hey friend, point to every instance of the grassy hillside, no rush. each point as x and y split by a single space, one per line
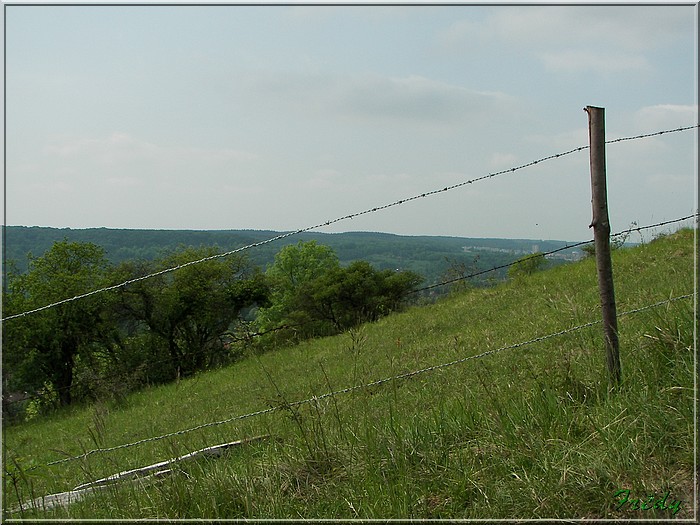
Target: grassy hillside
526 432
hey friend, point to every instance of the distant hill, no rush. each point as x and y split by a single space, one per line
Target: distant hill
430 256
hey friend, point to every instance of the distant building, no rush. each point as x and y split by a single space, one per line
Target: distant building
572 256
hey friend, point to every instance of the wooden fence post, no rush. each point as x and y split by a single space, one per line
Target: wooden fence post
601 235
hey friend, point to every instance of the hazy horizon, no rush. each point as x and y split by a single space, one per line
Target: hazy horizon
665 228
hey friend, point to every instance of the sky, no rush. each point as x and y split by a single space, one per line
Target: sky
284 117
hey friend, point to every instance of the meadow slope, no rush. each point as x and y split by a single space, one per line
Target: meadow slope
531 431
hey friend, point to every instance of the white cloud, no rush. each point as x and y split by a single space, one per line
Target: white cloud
124 182
666 116
242 190
324 179
670 182
459 31
416 98
116 147
379 98
562 141
119 149
630 27
573 60
503 160
607 38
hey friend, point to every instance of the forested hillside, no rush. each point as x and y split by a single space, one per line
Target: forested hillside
157 325
429 256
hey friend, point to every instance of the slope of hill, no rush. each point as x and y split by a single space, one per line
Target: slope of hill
492 403
426 255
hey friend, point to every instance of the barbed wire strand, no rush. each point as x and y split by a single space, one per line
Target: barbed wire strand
356 387
653 134
544 254
45 394
334 221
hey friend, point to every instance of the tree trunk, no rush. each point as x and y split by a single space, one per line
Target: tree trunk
64 375
175 356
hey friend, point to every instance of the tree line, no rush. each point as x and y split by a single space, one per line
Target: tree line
175 323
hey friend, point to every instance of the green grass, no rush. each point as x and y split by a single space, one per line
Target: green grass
530 432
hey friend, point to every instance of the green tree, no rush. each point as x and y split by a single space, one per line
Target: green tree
43 348
314 296
294 268
346 297
187 311
527 265
457 272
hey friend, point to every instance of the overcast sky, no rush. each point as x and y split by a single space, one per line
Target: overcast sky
268 117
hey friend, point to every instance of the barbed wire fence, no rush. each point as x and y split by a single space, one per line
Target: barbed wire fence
387 380
624 233
337 220
354 388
